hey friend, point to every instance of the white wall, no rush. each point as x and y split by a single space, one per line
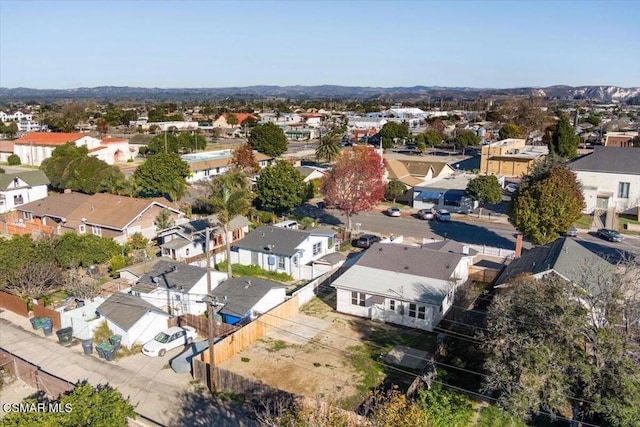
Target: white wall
594 183
142 331
270 300
28 195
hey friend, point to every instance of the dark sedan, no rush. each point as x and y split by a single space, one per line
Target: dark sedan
610 235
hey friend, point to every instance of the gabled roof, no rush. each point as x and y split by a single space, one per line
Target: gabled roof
274 240
32 178
143 267
450 246
413 260
170 274
125 310
609 160
49 138
241 294
110 140
564 256
58 206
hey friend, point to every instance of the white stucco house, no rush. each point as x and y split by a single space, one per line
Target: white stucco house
405 285
34 147
19 188
176 288
134 319
243 299
294 252
610 178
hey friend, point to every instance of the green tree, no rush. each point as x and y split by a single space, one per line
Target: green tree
232 119
432 138
268 139
466 138
228 196
13 160
328 149
510 130
11 130
163 219
394 189
163 174
391 131
564 141
546 207
165 142
484 189
280 187
85 405
138 241
73 250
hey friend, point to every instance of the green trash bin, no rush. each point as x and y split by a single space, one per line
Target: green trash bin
115 341
109 352
100 348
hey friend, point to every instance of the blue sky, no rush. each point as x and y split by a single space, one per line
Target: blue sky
56 44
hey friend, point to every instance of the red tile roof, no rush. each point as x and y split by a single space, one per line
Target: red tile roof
112 140
241 116
49 138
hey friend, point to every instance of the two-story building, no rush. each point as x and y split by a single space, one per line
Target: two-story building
510 157
16 189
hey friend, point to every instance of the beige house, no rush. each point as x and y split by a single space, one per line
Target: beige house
102 214
413 173
510 157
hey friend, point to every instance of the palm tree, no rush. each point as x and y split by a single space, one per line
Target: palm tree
328 148
229 196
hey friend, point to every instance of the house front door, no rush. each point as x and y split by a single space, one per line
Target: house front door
254 258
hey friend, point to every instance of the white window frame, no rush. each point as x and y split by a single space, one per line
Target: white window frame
96 230
317 248
623 190
359 298
281 262
82 229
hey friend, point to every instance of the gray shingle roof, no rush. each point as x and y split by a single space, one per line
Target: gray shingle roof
609 159
450 246
125 310
283 240
565 256
242 293
411 260
32 178
170 274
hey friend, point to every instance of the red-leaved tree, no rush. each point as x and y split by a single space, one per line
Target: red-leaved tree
244 159
355 183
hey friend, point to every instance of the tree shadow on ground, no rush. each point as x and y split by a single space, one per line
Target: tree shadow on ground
199 408
317 213
469 233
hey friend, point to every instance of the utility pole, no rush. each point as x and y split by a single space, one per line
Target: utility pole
212 370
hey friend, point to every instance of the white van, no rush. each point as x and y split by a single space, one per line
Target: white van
291 224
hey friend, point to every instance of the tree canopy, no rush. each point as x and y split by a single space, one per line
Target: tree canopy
546 353
244 159
545 207
510 130
564 141
163 174
394 189
467 138
165 142
355 183
328 148
484 189
280 187
268 139
391 131
70 167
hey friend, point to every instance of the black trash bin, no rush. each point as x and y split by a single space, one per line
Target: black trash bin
87 346
115 341
65 335
109 352
47 327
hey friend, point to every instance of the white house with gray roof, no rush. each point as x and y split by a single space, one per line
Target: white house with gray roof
22 187
284 250
610 178
405 285
187 241
134 319
175 287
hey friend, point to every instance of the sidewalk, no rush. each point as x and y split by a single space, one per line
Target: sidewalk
163 397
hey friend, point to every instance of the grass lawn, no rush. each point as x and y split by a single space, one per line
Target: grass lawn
584 222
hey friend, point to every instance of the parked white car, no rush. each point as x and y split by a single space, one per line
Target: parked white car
393 211
168 340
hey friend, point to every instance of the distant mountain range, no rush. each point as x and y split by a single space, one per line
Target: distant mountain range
407 94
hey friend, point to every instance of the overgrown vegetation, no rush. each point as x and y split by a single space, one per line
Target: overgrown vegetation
240 270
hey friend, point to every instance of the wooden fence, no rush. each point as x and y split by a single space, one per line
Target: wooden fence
201 325
14 303
31 374
483 275
39 310
247 335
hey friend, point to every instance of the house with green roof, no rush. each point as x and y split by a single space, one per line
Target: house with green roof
21 187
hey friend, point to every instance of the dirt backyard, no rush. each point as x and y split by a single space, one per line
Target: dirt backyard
325 355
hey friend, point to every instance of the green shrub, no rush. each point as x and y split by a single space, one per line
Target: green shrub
14 160
254 271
